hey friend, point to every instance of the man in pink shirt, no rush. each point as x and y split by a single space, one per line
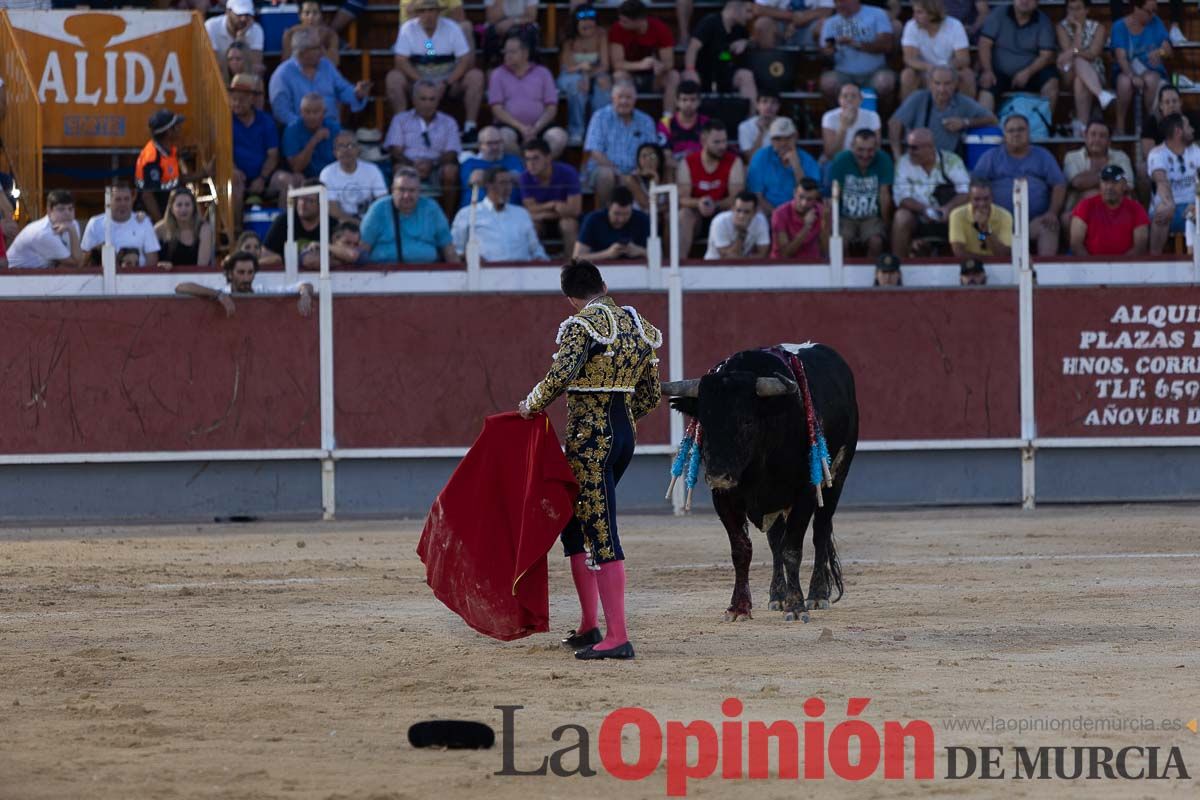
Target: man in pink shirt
798 228
524 99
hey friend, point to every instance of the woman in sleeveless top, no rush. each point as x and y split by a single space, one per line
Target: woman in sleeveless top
1080 43
651 168
186 239
583 60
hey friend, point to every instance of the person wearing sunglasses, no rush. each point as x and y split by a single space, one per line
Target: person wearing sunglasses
427 140
432 48
1172 166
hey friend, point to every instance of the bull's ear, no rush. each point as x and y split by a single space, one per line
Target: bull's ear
686 405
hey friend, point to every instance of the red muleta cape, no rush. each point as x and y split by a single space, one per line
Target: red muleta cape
485 541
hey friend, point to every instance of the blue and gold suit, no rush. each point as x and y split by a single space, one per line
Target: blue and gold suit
606 365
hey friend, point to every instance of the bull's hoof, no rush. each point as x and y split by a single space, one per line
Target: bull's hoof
737 616
775 605
792 616
821 604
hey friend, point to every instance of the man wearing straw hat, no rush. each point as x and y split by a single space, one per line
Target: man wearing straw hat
607 368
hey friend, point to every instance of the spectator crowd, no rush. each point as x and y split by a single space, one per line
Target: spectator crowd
932 111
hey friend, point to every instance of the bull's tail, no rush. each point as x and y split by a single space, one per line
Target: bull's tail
835 569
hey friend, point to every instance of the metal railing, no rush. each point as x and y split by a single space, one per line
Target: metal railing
291 259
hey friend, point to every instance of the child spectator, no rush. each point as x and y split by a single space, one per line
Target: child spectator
249 242
127 258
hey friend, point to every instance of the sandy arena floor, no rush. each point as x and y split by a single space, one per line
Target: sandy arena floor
288 660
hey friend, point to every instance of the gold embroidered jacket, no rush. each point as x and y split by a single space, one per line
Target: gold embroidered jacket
604 348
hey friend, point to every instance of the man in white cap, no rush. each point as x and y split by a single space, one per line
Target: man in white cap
237 25
775 170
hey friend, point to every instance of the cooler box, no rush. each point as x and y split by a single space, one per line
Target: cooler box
275 20
259 219
870 100
979 141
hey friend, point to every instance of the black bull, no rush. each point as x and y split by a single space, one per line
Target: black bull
755 450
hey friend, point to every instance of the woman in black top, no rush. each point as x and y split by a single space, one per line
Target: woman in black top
186 238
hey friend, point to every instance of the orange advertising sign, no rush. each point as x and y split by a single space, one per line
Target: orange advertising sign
100 75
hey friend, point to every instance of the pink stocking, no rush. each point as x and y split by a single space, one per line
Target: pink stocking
585 587
611 581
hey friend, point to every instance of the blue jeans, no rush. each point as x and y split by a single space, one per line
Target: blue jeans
568 84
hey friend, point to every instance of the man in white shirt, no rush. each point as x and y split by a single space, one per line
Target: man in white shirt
353 184
505 231
435 49
129 231
929 184
240 270
237 24
1172 167
53 240
739 233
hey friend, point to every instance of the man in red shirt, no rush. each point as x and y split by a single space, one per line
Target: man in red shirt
798 228
708 180
1109 223
642 49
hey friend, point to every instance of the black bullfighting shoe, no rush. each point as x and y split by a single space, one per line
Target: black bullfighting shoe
576 641
622 651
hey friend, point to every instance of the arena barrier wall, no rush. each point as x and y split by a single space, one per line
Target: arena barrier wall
165 374
171 379
372 401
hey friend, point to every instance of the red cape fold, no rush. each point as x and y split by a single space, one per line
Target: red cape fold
486 538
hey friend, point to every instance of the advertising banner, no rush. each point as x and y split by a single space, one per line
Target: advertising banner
100 75
1120 361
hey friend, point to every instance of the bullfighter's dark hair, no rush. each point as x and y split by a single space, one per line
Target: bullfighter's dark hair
581 279
233 258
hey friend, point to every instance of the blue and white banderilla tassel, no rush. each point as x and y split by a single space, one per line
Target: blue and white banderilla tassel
818 465
687 456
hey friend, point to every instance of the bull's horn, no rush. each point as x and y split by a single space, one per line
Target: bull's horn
773 387
688 388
